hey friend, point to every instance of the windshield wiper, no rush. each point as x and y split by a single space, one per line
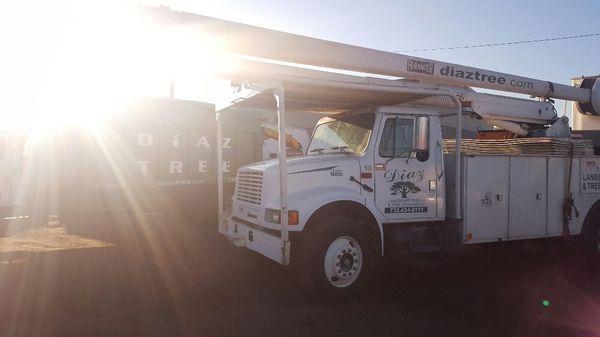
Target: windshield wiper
320 150
341 148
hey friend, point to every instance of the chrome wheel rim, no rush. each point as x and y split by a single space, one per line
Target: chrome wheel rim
343 262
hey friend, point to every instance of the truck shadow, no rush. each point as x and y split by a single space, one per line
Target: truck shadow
516 289
189 281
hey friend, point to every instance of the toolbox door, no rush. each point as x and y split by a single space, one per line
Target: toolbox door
528 197
486 199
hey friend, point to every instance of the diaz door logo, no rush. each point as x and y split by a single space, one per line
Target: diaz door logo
403 181
404 187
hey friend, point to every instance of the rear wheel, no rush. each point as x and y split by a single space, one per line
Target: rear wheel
591 239
337 258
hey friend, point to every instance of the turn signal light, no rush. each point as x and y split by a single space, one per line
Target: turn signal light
293 218
274 216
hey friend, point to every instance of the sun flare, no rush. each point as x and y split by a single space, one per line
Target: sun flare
96 64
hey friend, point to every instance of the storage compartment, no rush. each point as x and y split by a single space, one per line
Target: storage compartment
528 197
486 198
557 171
511 197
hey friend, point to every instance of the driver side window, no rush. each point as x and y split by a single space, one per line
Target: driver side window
397 138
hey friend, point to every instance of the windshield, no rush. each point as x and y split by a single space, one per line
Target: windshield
345 135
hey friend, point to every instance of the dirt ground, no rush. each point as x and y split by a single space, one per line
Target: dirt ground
163 278
46 239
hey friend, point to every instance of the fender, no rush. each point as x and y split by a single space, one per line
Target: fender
309 201
370 205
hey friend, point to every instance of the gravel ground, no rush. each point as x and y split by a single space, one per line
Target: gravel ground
173 279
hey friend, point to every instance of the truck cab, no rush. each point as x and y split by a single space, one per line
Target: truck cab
362 169
367 157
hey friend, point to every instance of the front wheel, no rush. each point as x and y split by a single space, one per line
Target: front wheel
338 259
343 262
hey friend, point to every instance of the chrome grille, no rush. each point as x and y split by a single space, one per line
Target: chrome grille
248 186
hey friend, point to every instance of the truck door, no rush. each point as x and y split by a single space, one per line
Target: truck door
405 180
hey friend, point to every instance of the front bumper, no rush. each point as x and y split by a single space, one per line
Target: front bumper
242 235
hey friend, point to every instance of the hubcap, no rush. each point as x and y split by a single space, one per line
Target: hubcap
343 261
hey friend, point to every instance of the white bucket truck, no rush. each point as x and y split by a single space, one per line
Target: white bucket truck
375 178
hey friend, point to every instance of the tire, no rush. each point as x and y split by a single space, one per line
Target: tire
591 239
336 259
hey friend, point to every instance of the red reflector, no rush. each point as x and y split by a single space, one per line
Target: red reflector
366 175
293 217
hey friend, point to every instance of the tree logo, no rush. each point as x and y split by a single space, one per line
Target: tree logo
404 187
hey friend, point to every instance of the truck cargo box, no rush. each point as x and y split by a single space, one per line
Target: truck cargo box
520 196
154 155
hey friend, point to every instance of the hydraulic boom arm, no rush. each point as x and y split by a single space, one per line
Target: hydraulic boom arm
276 45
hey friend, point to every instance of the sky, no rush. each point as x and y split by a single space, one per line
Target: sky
419 24
31 32
406 25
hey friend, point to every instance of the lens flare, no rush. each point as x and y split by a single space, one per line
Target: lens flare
95 65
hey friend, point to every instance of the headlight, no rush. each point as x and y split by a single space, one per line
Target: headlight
274 216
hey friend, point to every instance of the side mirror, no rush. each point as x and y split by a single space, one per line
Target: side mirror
421 134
